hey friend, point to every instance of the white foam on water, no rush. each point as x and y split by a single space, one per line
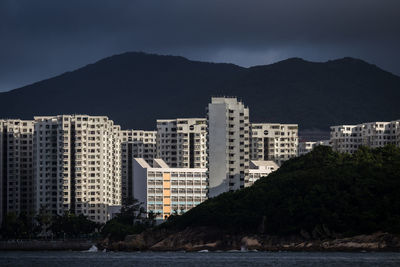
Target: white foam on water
93 249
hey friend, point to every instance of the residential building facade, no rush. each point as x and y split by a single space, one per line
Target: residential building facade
16 171
307 146
77 165
273 141
165 190
228 145
135 144
181 142
348 138
260 168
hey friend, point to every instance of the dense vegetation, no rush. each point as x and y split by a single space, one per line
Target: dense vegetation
45 226
322 193
311 92
132 219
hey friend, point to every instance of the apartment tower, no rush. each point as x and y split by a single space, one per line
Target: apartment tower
77 165
348 138
135 144
181 143
16 172
228 145
273 141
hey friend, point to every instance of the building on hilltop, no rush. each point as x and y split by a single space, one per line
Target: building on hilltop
228 145
16 171
260 168
134 144
165 190
307 146
348 138
273 141
182 142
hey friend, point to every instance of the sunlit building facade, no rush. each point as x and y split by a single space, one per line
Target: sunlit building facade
273 141
165 190
182 142
77 165
259 169
348 138
228 145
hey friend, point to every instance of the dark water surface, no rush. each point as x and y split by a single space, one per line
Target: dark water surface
66 258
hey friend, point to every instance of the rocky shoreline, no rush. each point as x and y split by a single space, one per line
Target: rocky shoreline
205 239
212 240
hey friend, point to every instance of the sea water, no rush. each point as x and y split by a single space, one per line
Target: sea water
234 258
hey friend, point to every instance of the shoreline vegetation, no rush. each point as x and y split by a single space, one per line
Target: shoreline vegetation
322 201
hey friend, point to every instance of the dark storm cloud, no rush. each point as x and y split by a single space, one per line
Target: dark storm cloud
39 39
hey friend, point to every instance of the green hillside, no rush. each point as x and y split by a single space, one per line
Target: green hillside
323 192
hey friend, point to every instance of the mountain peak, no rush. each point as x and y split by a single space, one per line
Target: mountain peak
344 60
291 61
295 59
348 60
135 88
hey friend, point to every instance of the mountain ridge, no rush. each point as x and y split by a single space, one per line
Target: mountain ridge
135 88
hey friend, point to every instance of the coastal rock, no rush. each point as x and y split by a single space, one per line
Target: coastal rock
376 241
211 239
188 239
251 243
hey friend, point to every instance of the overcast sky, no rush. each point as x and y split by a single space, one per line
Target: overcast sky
42 38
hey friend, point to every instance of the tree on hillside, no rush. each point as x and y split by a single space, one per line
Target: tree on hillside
43 221
132 219
73 226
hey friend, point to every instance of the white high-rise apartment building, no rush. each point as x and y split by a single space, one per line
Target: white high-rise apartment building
273 141
135 144
165 190
348 138
77 165
16 172
228 145
182 143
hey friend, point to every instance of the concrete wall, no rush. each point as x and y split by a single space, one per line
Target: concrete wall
139 183
217 125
